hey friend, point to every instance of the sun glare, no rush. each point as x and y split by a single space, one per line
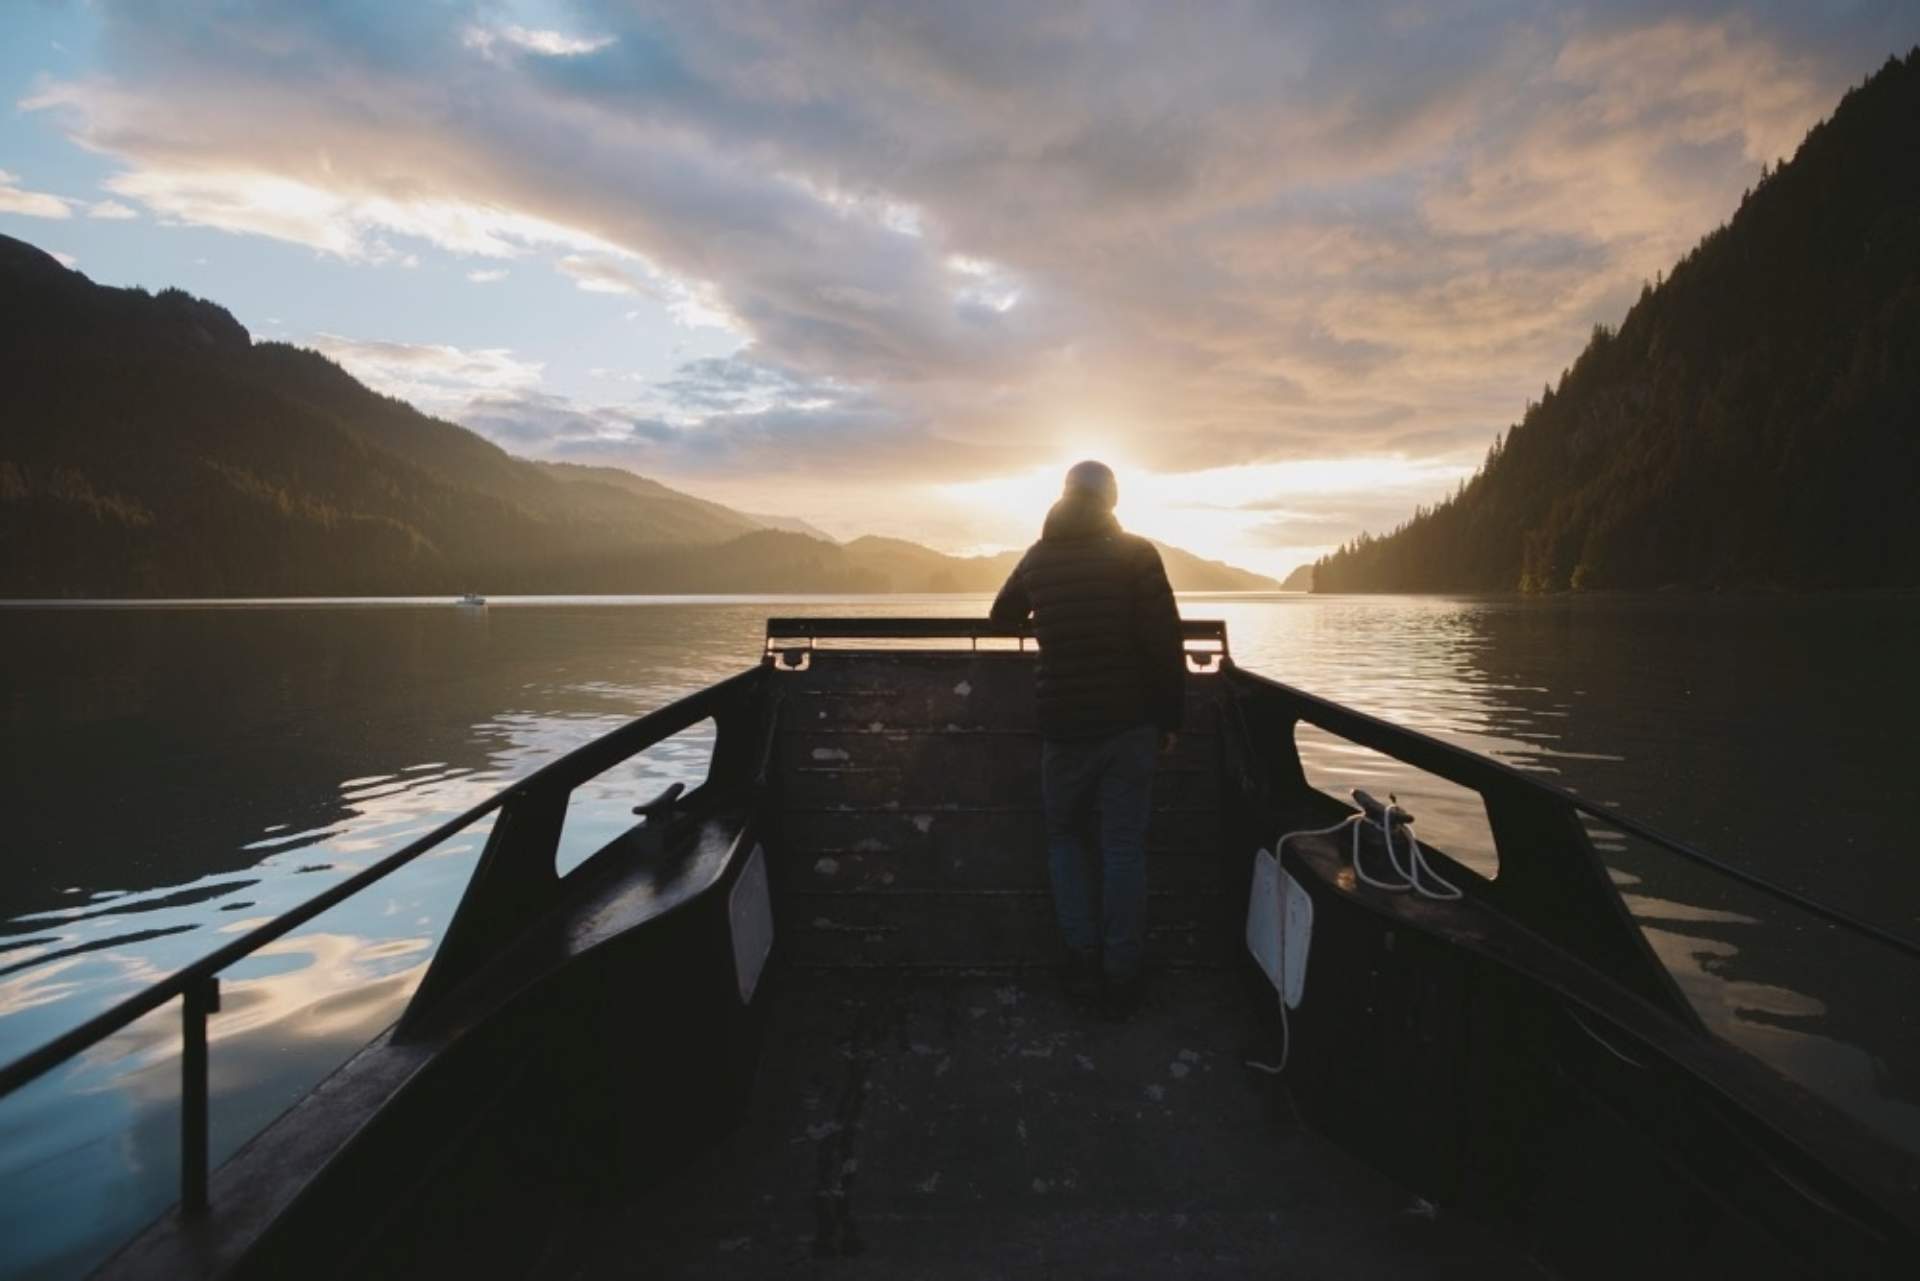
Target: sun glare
1269 516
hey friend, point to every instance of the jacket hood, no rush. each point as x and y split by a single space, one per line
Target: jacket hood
1075 516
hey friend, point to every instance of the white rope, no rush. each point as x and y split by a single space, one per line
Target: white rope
1360 871
1437 886
1416 874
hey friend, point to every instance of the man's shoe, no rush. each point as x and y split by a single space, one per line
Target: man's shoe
1080 979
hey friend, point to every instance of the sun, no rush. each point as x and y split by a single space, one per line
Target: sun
1268 516
1149 504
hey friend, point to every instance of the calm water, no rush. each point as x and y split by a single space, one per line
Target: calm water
174 775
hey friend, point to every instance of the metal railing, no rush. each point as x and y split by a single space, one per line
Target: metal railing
1194 629
790 640
198 985
537 804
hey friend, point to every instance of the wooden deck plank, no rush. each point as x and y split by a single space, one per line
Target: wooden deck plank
948 1127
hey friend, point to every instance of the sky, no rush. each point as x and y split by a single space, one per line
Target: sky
891 267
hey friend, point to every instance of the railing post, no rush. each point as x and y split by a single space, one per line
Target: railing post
1552 880
200 999
512 883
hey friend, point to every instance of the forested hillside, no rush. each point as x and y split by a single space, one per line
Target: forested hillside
1754 421
149 447
900 561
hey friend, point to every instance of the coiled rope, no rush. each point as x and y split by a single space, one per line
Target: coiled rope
1416 874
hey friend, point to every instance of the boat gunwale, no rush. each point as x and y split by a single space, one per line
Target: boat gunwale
760 683
601 754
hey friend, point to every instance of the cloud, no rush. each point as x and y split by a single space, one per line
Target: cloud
697 305
954 236
553 44
731 385
709 417
548 425
353 224
434 376
598 274
30 204
839 442
1634 138
694 305
110 209
487 275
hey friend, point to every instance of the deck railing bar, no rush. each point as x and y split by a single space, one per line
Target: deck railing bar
974 629
1832 915
102 1025
1402 743
666 720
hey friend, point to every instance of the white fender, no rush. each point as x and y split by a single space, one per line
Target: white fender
1279 927
750 916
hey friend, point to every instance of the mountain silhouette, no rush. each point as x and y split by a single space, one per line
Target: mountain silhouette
1753 422
151 448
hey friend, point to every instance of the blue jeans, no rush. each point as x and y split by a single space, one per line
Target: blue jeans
1111 778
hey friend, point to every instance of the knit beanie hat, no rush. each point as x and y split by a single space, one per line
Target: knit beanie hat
1095 480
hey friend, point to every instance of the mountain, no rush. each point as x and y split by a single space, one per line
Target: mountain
1754 421
1190 573
909 567
792 525
693 519
681 518
150 447
1300 580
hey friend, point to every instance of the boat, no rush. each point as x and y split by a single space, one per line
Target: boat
804 1015
471 598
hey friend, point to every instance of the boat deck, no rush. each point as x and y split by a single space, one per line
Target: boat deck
916 1125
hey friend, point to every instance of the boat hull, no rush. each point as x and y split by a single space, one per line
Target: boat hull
590 1080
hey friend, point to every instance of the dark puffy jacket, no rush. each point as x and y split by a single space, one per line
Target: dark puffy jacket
1109 632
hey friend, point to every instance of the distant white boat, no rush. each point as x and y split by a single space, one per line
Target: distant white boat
472 598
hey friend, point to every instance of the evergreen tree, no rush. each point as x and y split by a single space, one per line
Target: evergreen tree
1754 420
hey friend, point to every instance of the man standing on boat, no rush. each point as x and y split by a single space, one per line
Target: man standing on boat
1109 691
